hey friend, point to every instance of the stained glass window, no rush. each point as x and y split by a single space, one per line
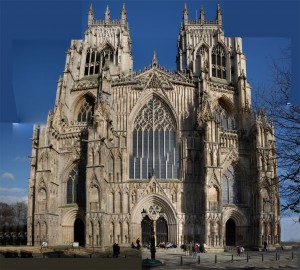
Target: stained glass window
154 145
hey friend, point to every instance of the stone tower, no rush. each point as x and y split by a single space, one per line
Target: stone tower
182 147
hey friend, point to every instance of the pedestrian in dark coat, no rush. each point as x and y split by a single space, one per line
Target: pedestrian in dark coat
265 246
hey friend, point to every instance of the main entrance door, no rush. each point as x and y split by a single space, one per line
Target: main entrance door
146 230
230 232
79 231
161 230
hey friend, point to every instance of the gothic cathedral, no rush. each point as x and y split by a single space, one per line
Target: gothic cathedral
178 154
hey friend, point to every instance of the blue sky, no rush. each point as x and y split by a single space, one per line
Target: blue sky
35 35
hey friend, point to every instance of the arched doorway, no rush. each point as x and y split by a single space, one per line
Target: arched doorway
147 226
79 231
230 232
161 230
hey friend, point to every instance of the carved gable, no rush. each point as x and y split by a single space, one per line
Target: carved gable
153 187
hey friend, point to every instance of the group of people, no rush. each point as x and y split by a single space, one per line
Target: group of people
138 245
193 249
116 250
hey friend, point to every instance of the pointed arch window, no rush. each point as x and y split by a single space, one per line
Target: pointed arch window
76 185
202 59
86 110
154 145
231 186
107 56
223 117
218 58
92 63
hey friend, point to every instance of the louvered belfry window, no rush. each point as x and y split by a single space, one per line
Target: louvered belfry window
154 146
218 57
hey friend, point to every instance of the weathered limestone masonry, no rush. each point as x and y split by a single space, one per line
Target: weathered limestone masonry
182 145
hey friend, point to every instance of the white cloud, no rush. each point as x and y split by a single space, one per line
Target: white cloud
13 199
13 190
7 176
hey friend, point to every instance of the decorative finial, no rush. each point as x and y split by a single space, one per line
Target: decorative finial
91 8
154 60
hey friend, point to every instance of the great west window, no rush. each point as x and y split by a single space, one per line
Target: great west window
154 146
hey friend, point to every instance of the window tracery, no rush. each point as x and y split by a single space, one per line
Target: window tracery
85 112
154 147
231 186
223 117
218 62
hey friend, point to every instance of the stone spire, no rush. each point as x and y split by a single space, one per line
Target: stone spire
219 15
91 15
123 15
107 15
201 18
185 15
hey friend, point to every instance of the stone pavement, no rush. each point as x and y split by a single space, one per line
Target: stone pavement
171 259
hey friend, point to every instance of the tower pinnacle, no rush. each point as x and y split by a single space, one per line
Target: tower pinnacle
185 14
123 15
91 15
201 18
107 15
219 15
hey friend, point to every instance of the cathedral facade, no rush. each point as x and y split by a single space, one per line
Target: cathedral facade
176 154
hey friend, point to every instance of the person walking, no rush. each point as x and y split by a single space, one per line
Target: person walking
138 246
265 246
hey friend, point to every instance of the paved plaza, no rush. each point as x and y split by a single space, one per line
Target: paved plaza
130 259
285 259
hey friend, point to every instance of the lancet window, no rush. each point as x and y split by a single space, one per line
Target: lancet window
218 58
154 146
231 186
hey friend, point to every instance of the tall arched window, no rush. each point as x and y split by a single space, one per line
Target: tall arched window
154 144
86 111
76 186
92 63
218 58
231 186
223 117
